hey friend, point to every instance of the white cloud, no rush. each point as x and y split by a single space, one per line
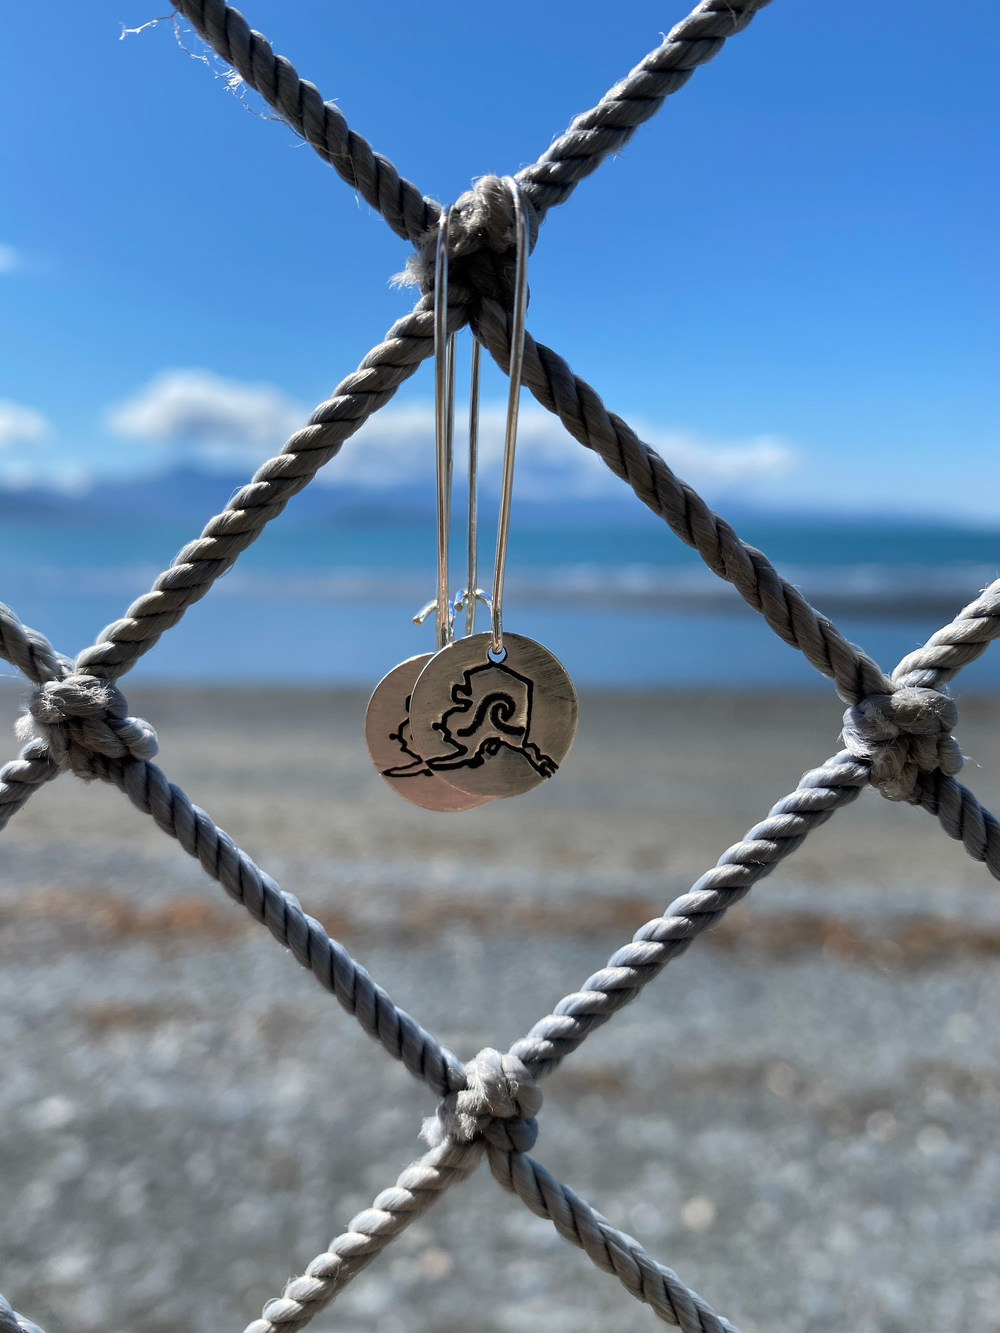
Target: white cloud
52 475
396 448
220 419
224 421
10 259
21 425
702 463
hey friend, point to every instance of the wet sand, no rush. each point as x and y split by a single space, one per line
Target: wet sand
799 1116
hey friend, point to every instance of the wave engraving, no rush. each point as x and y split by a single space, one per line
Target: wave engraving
492 712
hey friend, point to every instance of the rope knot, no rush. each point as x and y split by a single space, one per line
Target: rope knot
481 246
499 1103
80 718
903 735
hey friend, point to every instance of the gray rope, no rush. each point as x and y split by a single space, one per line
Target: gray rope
606 129
417 1189
495 1110
932 785
898 732
321 124
819 793
906 736
34 656
12 1322
493 1088
962 817
592 137
628 970
82 720
20 778
226 536
80 724
30 651
902 736
578 406
955 646
610 1250
582 412
147 788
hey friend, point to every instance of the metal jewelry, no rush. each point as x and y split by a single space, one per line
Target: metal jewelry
387 723
495 714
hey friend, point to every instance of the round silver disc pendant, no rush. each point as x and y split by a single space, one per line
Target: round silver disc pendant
390 744
493 728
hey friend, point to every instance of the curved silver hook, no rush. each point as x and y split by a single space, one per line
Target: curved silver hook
444 428
513 402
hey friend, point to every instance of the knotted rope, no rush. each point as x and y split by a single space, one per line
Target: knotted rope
499 1104
897 731
592 136
901 736
82 720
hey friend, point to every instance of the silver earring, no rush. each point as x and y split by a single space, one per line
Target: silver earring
388 729
495 714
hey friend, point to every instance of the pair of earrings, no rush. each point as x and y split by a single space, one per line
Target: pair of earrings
486 715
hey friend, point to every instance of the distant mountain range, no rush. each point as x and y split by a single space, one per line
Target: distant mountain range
349 544
193 495
190 494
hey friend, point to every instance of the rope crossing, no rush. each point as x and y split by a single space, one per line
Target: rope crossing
897 729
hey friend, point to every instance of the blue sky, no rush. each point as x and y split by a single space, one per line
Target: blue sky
789 279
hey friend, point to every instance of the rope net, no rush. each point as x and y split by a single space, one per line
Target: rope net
897 729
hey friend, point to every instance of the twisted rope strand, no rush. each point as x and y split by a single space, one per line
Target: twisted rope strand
34 657
147 788
584 415
582 412
30 651
193 571
940 660
899 741
608 1249
321 124
20 778
608 127
955 646
497 1109
590 139
691 42
962 817
819 793
417 1189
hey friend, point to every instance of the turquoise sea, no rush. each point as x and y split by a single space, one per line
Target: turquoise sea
329 600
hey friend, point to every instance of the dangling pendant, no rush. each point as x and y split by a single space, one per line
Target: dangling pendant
495 714
490 715
391 745
493 728
387 722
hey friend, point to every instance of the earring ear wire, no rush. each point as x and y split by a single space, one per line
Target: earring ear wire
516 368
444 427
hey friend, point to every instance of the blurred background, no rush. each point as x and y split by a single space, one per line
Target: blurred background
787 284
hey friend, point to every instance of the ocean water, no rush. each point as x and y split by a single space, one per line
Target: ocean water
624 605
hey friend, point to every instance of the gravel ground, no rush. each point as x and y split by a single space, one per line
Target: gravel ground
799 1116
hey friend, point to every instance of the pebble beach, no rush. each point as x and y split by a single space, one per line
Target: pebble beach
799 1116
